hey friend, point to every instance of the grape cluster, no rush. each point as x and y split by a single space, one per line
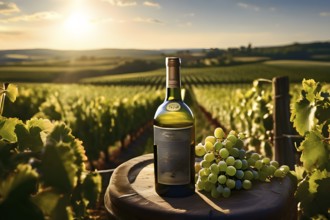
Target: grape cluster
227 166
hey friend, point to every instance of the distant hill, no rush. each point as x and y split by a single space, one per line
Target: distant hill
42 54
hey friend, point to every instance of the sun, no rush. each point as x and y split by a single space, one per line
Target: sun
78 23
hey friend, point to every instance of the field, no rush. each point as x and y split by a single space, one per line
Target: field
246 73
99 113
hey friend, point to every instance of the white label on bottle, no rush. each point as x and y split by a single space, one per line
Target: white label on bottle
173 155
173 107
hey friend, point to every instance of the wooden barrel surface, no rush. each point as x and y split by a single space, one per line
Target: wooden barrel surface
131 195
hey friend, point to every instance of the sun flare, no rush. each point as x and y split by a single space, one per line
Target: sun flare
78 23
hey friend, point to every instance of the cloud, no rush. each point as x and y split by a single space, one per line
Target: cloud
122 3
8 8
39 16
189 14
148 20
248 6
152 4
187 24
325 14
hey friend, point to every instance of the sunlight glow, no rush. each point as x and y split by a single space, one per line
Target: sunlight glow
77 24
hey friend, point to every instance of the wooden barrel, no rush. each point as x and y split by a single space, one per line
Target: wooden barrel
131 195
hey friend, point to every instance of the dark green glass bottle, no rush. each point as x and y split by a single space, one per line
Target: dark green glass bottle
174 139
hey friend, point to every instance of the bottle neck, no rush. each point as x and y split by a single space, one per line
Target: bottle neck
173 94
173 80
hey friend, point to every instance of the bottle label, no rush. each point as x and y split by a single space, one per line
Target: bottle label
173 107
173 155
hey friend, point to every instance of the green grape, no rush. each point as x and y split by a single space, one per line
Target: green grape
263 174
213 178
238 164
214 169
208 146
211 139
203 178
208 186
220 188
274 163
222 179
247 184
230 183
229 144
255 156
226 192
196 177
241 154
279 173
230 161
239 174
239 144
258 164
200 150
222 166
224 153
218 133
272 170
266 160
255 174
251 161
230 171
204 172
209 157
200 185
248 175
285 168
214 193
205 164
218 146
232 138
245 164
234 152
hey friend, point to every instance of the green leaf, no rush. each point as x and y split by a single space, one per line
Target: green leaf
92 188
47 200
303 116
7 128
311 89
314 151
62 210
12 92
33 135
19 184
316 175
58 166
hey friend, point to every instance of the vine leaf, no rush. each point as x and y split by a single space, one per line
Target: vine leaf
12 92
314 178
314 151
33 135
7 128
58 167
303 116
92 188
47 200
59 161
20 185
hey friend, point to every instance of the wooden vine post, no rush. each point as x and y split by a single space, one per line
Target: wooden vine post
284 149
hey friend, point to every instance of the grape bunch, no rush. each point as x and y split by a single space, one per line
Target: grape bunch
227 166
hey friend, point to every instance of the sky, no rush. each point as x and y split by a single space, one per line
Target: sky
160 24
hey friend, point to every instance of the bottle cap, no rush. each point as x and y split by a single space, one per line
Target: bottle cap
173 61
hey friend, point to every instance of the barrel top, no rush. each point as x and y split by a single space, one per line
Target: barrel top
131 195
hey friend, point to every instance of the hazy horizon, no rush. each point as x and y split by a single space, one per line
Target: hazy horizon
160 24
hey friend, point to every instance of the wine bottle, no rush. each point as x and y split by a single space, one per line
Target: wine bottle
174 139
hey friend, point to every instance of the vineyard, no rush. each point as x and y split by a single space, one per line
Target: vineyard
89 127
